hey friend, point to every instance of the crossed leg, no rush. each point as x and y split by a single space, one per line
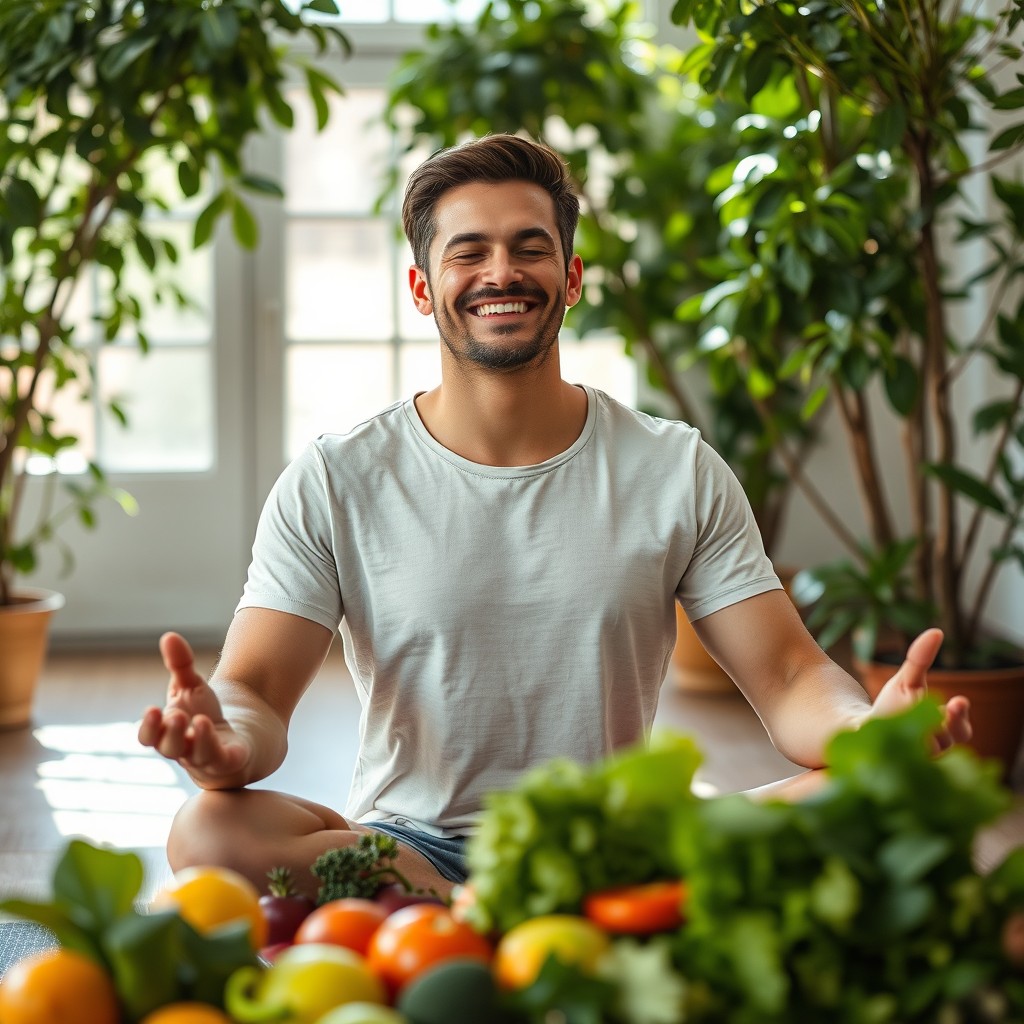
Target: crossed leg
254 830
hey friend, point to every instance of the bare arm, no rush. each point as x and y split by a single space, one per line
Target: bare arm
801 695
233 730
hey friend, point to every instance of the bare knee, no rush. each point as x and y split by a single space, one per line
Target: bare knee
209 829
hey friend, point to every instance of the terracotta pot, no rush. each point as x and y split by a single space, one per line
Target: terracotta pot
996 696
694 670
24 632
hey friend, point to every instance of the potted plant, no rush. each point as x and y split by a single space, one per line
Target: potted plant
641 142
885 131
94 97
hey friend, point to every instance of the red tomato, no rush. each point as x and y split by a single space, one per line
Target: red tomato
347 922
415 938
637 909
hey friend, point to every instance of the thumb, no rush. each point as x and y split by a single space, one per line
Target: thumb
179 660
920 656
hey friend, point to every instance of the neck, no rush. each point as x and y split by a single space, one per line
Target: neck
515 419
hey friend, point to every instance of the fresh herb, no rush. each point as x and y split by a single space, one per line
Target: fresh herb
359 870
570 830
860 905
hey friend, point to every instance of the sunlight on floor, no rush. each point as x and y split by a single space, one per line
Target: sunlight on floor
105 788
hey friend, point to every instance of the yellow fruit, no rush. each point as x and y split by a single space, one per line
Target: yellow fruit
522 950
211 897
58 987
187 1013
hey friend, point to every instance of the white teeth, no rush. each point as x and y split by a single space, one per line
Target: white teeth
500 307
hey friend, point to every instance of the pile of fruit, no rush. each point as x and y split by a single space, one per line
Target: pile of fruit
606 894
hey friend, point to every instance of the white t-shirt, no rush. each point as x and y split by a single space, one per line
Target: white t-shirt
492 617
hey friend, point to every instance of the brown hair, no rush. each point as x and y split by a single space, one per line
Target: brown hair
491 158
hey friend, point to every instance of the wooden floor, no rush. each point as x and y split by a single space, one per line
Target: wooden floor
79 771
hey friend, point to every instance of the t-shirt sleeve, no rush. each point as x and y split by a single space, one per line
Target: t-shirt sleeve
294 568
729 563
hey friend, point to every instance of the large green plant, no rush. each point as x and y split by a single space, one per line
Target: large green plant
587 78
94 96
860 224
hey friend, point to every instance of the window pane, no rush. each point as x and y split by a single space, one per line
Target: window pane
419 367
166 320
341 169
339 281
331 388
168 396
437 10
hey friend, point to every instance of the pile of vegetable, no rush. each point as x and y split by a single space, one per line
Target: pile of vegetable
607 893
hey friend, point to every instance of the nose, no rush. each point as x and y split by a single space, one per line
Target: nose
501 268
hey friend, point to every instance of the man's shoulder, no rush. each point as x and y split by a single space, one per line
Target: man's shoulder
644 424
379 430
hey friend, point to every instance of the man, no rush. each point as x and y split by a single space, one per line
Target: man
502 555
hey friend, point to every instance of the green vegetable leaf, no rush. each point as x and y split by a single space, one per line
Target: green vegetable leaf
100 884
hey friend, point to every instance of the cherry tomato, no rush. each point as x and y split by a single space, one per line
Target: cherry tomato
637 909
415 938
347 922
524 949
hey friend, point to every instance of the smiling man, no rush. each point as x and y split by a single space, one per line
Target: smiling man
502 556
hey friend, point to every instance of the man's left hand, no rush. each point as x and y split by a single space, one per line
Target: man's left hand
910 684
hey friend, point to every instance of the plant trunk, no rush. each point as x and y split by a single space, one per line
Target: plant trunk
945 573
854 412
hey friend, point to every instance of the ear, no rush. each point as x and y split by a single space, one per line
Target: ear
574 284
420 289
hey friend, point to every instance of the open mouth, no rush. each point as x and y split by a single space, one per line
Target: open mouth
489 309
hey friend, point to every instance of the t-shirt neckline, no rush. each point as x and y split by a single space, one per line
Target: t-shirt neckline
504 472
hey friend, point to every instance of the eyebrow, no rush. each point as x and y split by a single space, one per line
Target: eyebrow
469 237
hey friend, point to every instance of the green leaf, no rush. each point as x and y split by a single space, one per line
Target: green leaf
903 386
219 27
244 224
101 884
144 952
207 219
967 484
265 186
1008 138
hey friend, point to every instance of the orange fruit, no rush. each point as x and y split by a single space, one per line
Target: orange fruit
211 897
58 986
348 922
187 1013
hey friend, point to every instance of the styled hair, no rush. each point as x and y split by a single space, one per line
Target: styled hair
493 158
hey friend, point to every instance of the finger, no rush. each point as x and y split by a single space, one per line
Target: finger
151 726
921 655
175 741
207 748
179 660
958 720
210 751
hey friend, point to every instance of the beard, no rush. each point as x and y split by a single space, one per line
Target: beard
493 354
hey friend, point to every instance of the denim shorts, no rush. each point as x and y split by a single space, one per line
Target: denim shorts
448 855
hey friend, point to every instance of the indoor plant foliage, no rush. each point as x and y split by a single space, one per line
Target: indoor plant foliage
586 78
916 96
96 95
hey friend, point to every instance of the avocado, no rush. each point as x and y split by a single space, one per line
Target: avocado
456 990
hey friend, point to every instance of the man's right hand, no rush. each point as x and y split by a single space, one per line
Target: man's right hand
191 728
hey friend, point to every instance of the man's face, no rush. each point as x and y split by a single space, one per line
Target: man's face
497 284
